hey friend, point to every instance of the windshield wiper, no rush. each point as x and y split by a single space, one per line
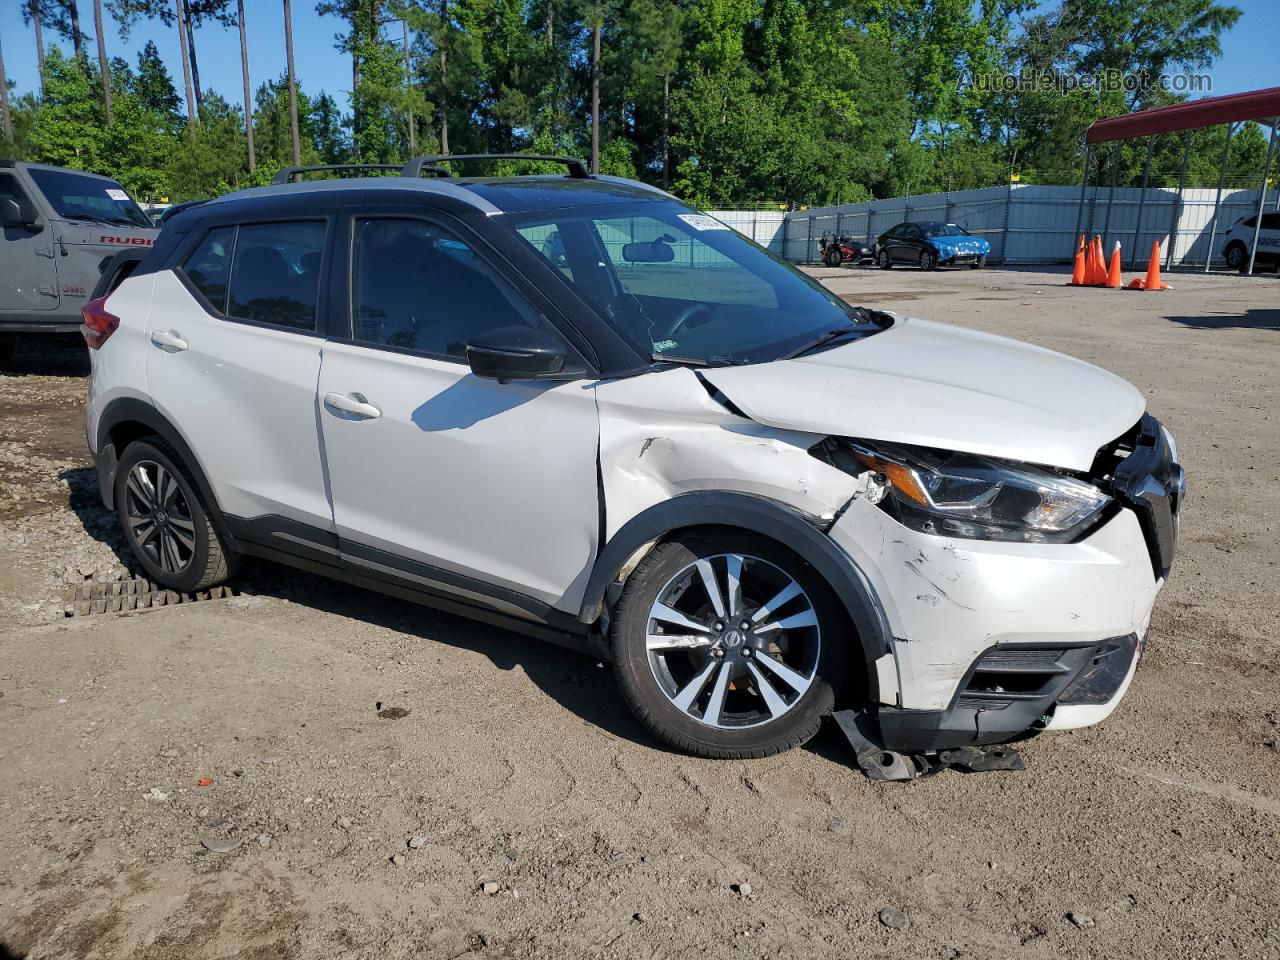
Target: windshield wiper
716 361
822 339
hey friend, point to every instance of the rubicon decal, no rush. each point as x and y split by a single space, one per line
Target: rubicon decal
128 241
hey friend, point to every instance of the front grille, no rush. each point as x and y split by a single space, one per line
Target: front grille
1139 470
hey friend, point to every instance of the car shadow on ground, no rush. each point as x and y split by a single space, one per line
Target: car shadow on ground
579 683
1249 320
46 355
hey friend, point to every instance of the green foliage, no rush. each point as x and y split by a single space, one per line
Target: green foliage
799 101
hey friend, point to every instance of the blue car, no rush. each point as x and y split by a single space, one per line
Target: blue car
930 245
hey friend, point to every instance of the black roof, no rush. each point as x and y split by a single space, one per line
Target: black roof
525 194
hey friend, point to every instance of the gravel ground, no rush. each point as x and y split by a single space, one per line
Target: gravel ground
310 771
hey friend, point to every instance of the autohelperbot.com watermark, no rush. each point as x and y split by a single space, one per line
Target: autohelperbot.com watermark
1104 81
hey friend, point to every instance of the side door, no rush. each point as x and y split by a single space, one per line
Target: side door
893 242
233 359
912 243
28 267
1269 237
438 476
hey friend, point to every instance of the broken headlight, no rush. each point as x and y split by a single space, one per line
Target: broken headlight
978 498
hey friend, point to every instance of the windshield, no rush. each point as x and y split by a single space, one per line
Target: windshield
681 285
943 230
77 197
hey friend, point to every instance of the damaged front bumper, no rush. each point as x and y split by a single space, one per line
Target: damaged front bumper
991 640
1012 690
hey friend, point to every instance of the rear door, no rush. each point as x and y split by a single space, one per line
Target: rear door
233 359
438 475
28 267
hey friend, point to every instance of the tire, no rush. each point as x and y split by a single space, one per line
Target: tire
832 256
928 260
979 263
199 558
1237 255
884 260
729 714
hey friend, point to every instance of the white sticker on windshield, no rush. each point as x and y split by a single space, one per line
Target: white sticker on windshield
700 221
117 194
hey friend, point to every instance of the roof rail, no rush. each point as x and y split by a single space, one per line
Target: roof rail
288 174
414 168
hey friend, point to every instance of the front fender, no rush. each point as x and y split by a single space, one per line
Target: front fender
797 531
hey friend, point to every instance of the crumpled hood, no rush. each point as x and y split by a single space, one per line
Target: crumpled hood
936 385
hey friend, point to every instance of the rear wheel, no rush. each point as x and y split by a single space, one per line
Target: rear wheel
928 260
728 645
832 256
165 521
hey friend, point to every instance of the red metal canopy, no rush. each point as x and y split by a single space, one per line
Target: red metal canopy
1262 105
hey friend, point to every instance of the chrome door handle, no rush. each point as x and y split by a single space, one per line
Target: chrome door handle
168 341
353 404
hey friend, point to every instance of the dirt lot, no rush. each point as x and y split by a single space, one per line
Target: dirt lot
512 763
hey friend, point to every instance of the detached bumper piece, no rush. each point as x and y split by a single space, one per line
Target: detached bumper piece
880 763
1008 692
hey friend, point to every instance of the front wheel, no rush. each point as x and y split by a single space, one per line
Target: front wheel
884 260
165 522
727 645
832 256
1238 257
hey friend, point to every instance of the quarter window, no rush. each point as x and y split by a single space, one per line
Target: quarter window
209 265
419 287
275 276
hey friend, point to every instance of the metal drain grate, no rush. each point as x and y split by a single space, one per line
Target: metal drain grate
125 595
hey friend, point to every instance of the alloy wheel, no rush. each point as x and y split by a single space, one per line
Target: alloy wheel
733 641
159 517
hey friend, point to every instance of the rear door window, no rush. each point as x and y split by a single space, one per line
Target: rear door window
209 265
275 274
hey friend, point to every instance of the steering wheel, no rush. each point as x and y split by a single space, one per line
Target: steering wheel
683 317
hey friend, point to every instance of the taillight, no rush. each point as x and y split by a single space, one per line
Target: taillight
98 323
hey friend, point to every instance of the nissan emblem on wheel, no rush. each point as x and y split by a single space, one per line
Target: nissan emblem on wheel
573 406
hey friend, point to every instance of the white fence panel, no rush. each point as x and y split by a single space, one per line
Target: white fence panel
1024 223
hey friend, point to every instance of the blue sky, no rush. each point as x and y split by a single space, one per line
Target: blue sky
1245 65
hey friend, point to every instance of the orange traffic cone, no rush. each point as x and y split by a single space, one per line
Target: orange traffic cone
1077 271
1153 281
1137 283
1089 268
1099 277
1113 274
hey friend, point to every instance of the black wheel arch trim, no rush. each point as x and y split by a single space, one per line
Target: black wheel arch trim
132 410
797 531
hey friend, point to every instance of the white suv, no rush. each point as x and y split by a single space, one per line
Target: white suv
575 406
1239 241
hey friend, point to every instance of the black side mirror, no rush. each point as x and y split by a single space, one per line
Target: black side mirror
517 353
18 213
